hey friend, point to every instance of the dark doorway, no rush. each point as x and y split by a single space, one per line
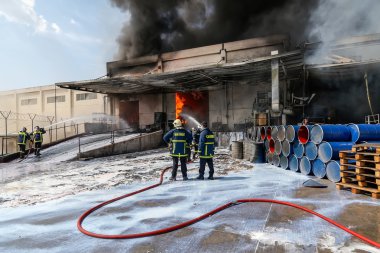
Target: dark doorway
129 112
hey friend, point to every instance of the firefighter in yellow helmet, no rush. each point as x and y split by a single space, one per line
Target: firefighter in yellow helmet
179 138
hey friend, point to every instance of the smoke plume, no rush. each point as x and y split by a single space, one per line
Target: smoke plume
160 26
336 19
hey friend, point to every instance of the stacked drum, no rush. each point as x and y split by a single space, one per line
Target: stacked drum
314 149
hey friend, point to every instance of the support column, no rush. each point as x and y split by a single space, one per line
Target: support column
275 85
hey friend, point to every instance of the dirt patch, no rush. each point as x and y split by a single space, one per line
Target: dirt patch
184 232
284 214
143 248
220 235
159 202
360 218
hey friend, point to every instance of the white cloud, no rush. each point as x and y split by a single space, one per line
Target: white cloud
55 28
23 12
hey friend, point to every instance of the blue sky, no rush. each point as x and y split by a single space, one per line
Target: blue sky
47 41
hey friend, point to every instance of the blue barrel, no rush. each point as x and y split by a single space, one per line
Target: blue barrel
284 162
287 148
319 168
333 171
304 134
330 150
281 133
266 145
269 157
274 132
305 165
276 160
293 163
334 133
263 133
258 135
291 133
311 151
298 149
277 147
268 132
365 132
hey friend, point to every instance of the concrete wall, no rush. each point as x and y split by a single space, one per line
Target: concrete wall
234 103
141 143
229 52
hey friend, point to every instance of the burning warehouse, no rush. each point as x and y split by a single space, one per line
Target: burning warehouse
245 74
223 62
236 85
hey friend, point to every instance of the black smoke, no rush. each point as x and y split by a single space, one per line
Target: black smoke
169 25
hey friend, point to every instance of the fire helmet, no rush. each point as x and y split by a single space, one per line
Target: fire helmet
177 123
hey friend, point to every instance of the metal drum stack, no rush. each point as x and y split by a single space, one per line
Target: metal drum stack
314 149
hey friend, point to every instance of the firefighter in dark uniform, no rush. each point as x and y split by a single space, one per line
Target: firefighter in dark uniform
38 139
178 139
23 137
206 152
196 133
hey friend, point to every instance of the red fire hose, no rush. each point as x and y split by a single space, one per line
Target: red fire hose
204 216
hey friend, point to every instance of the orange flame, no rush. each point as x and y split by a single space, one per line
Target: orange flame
179 103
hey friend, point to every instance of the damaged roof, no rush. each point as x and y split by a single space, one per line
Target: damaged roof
250 60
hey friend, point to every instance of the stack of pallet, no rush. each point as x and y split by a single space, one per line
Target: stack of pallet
360 169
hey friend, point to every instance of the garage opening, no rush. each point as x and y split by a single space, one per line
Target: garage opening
192 107
129 112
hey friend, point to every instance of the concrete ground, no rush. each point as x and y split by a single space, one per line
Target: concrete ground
39 206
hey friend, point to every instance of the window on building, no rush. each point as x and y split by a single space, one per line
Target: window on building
86 96
59 99
29 101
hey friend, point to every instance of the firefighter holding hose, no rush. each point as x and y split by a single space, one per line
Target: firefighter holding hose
38 139
178 139
23 137
206 151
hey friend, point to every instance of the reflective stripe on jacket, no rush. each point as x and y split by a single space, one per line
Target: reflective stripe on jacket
179 139
22 138
206 144
37 136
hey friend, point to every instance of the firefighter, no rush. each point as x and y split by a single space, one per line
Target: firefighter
23 137
38 139
178 139
206 151
196 133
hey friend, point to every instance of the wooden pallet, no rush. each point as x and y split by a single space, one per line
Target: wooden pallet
367 164
367 170
355 189
350 180
347 154
367 147
360 169
348 162
368 156
367 177
347 167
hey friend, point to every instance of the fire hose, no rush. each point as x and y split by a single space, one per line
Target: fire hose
202 217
